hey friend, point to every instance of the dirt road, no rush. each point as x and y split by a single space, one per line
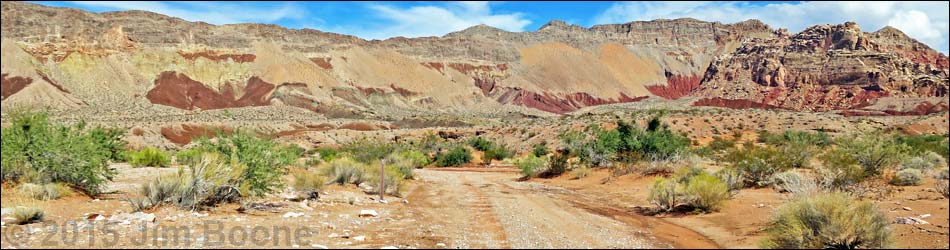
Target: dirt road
491 209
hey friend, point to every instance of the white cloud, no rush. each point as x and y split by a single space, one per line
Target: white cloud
430 20
214 13
927 22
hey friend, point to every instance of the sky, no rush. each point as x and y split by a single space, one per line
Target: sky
927 22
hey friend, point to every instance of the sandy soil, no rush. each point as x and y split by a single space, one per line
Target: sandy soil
740 222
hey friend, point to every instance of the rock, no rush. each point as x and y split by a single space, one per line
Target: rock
333 235
368 213
318 246
359 238
909 220
440 244
924 216
196 214
140 216
908 209
292 215
389 247
5 211
305 205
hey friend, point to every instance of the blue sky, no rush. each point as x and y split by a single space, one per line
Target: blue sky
927 22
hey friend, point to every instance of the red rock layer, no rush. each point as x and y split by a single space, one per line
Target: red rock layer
214 56
12 85
560 104
734 104
403 92
188 133
923 108
322 62
359 126
180 91
676 86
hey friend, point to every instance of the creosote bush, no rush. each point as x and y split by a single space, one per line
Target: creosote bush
38 151
690 188
456 157
530 165
828 220
308 183
908 177
757 164
27 215
149 157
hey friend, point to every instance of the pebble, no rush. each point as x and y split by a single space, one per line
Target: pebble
924 216
909 220
908 209
292 215
440 244
318 246
368 213
359 238
389 247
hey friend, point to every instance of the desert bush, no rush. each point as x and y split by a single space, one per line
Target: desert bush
110 140
328 154
706 192
403 165
944 174
417 158
921 144
540 149
581 172
308 183
719 144
819 139
456 157
48 191
27 215
664 166
794 183
38 151
757 164
943 187
664 193
149 157
344 171
732 178
557 164
530 165
480 144
915 162
799 154
368 151
908 177
496 152
213 180
392 177
828 220
265 160
935 160
873 152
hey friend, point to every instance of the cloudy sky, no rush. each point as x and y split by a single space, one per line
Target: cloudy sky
927 22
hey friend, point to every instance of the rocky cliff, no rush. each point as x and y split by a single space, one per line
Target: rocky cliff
145 61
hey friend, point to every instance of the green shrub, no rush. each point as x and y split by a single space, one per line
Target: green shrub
557 165
944 174
416 157
873 152
37 151
149 157
456 157
757 164
732 178
497 152
328 154
27 215
799 154
530 165
915 162
49 191
664 193
265 160
840 171
706 192
718 144
345 171
908 177
392 177
111 140
935 160
480 144
830 220
920 144
794 183
819 139
367 151
403 165
213 180
943 187
540 149
581 172
189 156
308 183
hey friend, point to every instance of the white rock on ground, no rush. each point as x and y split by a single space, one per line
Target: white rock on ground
292 215
359 238
368 213
910 220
